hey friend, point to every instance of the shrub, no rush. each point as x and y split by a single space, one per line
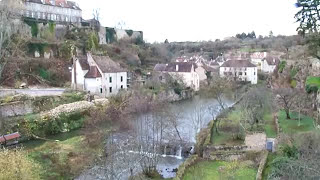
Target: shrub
290 151
282 65
45 126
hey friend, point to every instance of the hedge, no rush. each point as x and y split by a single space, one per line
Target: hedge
36 125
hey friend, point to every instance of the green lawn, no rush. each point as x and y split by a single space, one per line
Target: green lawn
270 127
216 170
225 139
62 158
291 126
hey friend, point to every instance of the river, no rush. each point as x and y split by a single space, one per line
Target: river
176 143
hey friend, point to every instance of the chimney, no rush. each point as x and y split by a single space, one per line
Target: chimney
177 67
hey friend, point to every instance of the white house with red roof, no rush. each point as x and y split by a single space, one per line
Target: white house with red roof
98 74
239 70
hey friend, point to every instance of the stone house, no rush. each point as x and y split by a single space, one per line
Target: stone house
257 58
53 10
240 70
99 75
179 70
269 64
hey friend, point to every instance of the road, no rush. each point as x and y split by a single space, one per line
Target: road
32 92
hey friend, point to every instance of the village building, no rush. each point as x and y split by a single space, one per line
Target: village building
53 10
269 64
240 70
257 58
99 75
180 71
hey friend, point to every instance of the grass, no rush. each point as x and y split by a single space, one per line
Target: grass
270 127
268 167
225 139
291 126
216 170
64 158
313 81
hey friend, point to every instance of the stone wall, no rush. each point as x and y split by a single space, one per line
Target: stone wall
18 108
224 153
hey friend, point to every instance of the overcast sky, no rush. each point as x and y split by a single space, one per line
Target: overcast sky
195 20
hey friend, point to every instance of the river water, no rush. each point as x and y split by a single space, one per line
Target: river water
190 116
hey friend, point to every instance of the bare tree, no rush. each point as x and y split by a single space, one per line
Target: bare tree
253 106
9 11
286 99
218 88
96 14
197 117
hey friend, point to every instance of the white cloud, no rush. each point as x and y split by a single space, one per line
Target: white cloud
190 20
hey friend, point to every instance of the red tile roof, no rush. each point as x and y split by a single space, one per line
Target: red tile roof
58 3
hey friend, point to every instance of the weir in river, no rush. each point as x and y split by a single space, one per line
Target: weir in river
173 148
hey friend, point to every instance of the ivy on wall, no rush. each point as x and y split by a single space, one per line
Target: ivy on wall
129 32
52 27
110 35
40 47
34 26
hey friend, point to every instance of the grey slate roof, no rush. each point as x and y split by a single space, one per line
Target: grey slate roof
271 60
83 62
182 67
107 65
238 63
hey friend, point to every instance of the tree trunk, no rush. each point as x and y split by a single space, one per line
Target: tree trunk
288 113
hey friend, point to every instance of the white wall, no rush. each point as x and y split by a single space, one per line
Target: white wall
79 75
93 85
202 73
267 68
116 83
190 79
51 12
249 74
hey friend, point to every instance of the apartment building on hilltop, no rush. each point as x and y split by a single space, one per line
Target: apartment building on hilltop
53 10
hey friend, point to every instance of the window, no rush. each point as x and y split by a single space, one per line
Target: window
245 73
110 89
121 86
110 79
240 73
160 78
254 73
100 90
121 79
